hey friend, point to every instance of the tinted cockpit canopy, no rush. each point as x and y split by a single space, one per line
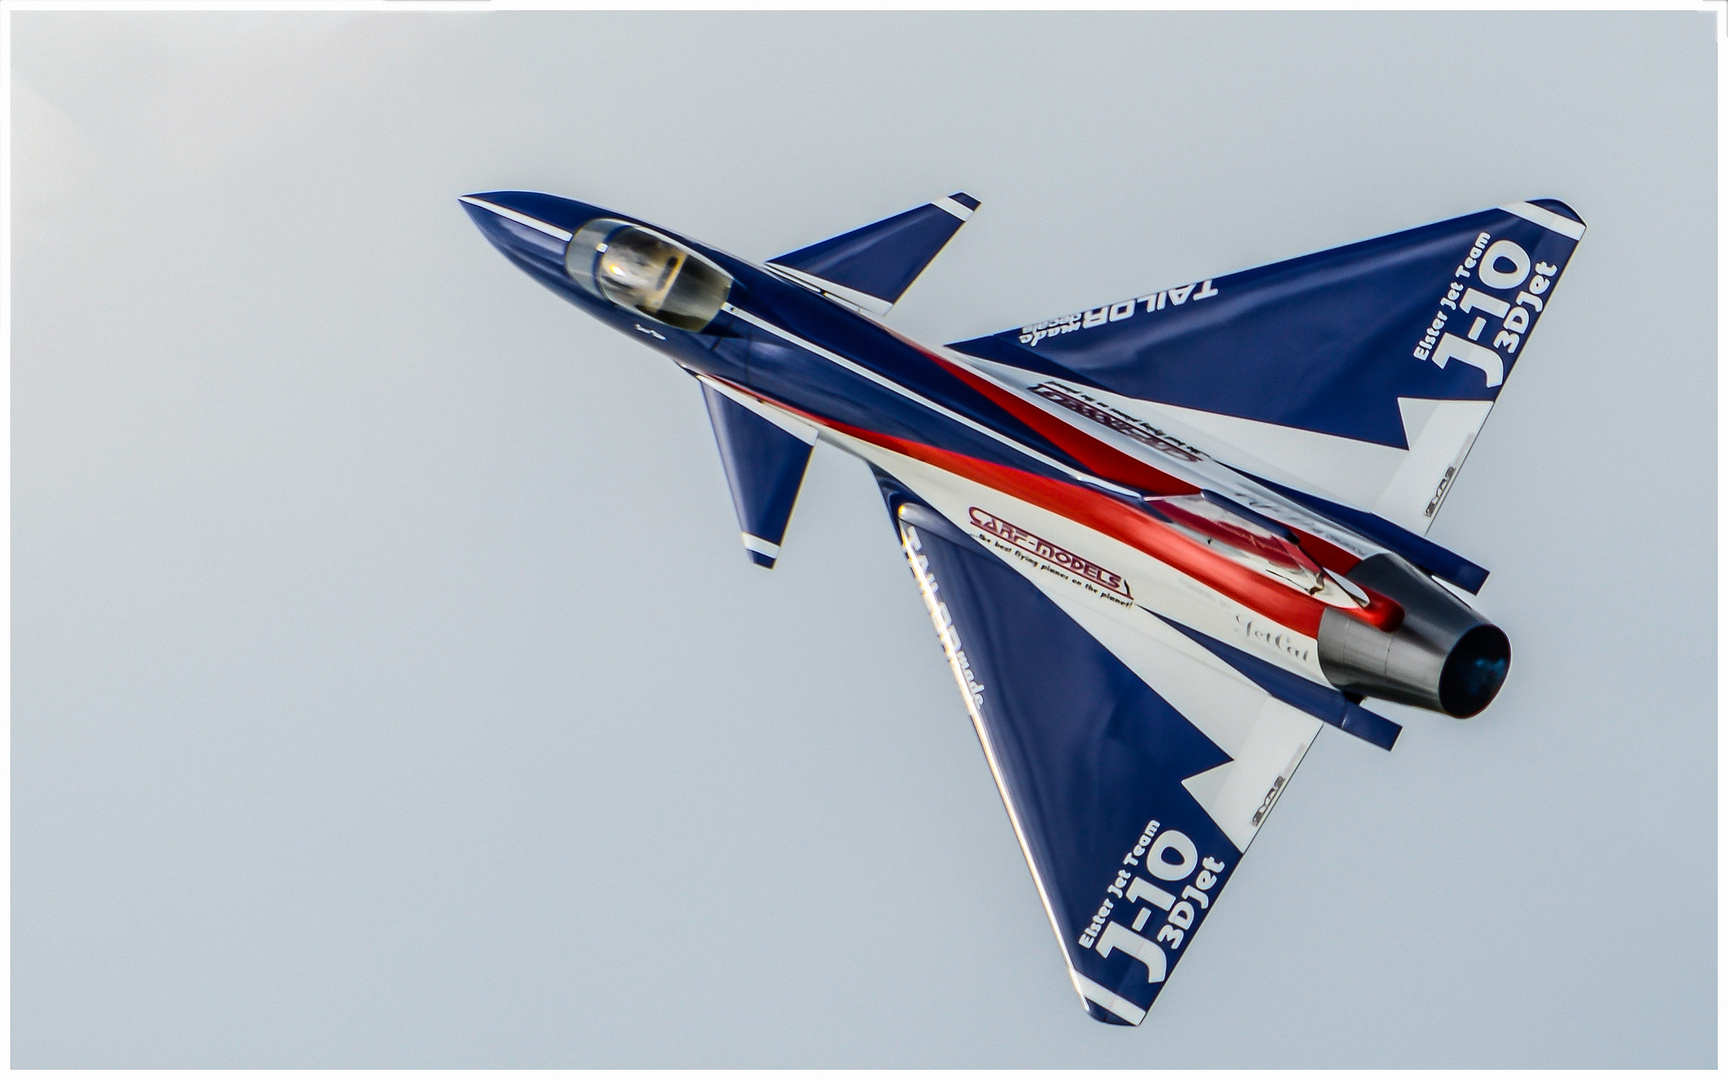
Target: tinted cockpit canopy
645 272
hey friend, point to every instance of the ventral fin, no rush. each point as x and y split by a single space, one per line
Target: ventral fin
764 451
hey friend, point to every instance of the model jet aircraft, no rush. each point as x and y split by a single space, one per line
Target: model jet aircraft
1163 541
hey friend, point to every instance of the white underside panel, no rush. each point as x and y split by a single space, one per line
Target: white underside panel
1264 737
1344 470
1441 434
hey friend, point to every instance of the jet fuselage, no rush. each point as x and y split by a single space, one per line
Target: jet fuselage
1060 477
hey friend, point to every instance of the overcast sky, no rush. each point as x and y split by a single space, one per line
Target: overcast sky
390 687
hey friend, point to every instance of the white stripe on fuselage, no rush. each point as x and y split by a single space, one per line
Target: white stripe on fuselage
852 298
910 395
798 428
1209 472
520 218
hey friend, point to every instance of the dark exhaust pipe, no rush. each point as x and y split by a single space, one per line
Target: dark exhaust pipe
1443 656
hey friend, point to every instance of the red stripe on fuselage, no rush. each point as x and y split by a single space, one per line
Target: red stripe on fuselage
1099 511
1099 457
1118 520
1107 462
1324 552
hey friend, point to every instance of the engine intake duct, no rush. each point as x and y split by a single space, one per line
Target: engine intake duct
1443 656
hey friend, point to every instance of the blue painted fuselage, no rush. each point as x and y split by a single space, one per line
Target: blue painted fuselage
772 338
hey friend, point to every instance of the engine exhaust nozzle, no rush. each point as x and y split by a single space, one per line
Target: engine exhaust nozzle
1444 656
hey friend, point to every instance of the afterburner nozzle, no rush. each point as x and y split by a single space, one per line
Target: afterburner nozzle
1443 656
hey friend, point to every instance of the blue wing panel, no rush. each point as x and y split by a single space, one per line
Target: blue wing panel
1090 761
1330 341
883 259
764 468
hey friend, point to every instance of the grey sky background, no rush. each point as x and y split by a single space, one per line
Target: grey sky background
390 687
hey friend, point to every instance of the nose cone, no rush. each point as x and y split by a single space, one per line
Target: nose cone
530 228
532 242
